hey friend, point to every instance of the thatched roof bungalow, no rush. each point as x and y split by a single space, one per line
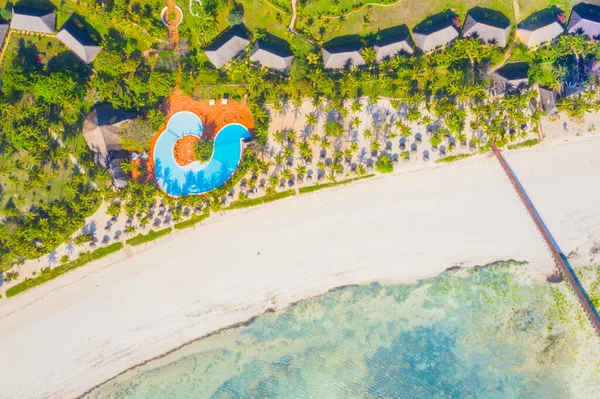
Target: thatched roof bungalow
33 20
436 31
585 19
539 28
101 131
3 33
393 41
511 78
488 25
271 56
229 44
78 41
342 56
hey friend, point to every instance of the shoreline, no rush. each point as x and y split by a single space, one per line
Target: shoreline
251 320
400 227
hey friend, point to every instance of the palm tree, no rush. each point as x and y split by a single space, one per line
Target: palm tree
356 106
278 137
313 58
369 55
305 150
300 172
311 119
292 135
361 170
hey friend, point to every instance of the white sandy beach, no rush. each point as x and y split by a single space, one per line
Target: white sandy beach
59 340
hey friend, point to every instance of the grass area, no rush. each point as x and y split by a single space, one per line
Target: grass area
192 221
151 236
48 47
453 158
524 144
263 14
50 274
246 203
528 7
317 187
22 185
370 19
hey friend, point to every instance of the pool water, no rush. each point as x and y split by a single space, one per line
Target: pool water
196 177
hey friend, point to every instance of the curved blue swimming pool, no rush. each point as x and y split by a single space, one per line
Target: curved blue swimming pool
196 177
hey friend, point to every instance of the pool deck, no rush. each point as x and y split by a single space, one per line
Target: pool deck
213 117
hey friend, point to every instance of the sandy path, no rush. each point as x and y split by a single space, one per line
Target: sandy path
74 332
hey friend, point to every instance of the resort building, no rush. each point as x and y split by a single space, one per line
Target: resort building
33 20
79 42
272 56
585 19
393 41
431 36
342 56
101 131
511 78
539 28
548 100
225 47
3 33
488 25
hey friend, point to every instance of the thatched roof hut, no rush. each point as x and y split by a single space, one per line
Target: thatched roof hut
511 78
436 31
272 56
78 41
342 56
539 28
585 19
393 41
226 46
101 131
33 20
488 25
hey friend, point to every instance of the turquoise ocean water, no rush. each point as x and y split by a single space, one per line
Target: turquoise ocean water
483 333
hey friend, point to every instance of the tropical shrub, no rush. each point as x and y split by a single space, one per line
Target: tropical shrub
384 164
204 150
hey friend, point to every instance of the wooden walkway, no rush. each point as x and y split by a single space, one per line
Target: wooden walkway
559 258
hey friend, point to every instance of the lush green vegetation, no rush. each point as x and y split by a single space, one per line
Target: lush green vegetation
248 202
453 158
192 221
151 236
523 144
46 90
204 150
384 164
43 198
317 187
49 274
326 19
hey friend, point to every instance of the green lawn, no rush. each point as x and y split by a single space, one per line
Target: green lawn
409 12
528 7
263 14
48 47
151 236
317 187
246 203
192 221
